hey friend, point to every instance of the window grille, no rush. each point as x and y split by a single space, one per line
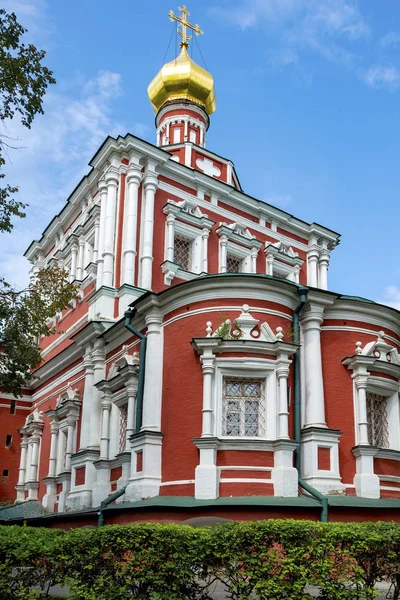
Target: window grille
377 421
243 407
232 264
123 421
182 252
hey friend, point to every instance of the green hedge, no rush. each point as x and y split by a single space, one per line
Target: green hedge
272 560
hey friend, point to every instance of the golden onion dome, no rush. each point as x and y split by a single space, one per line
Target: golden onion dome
183 79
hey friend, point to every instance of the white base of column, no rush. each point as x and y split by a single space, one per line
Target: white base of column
33 488
20 493
80 496
101 304
284 475
124 479
50 497
142 488
127 294
206 485
102 486
367 484
65 480
324 478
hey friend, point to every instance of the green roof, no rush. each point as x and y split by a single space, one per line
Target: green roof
23 510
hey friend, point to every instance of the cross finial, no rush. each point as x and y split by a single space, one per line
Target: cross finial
185 24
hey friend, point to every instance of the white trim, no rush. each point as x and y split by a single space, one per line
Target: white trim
390 489
65 335
65 376
356 329
218 309
180 482
245 468
245 480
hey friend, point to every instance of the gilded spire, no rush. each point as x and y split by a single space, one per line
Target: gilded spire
184 25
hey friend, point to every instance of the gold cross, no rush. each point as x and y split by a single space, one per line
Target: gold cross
185 24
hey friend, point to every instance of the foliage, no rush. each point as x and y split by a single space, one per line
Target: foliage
23 314
228 330
273 559
23 83
24 318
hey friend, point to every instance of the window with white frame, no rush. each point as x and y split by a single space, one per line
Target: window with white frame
243 407
233 264
182 252
123 420
377 416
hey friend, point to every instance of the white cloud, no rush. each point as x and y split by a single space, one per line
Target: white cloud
391 296
390 39
322 26
379 76
54 156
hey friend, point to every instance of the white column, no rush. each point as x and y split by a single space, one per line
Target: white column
105 426
79 269
133 179
185 129
296 272
254 253
112 179
34 441
98 358
314 385
312 273
154 368
74 257
167 133
130 421
96 240
170 237
150 187
158 137
323 269
361 386
283 413
70 442
270 264
54 427
22 460
87 404
102 232
223 253
202 132
204 239
207 361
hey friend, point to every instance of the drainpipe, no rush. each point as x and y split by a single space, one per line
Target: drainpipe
108 501
129 315
302 292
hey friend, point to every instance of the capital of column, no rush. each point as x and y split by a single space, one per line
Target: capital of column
223 240
54 427
112 177
153 320
282 371
131 389
134 175
102 186
24 441
361 381
254 252
87 364
205 233
106 401
313 252
35 438
150 181
312 317
170 219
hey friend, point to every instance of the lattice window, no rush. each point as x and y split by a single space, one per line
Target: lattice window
377 420
232 264
123 421
243 407
182 252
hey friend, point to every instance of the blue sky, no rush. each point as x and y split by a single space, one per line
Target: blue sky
308 98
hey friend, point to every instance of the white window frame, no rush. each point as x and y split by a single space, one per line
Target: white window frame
194 235
390 391
247 369
239 253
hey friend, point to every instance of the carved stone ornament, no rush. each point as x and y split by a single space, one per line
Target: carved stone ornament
379 349
245 327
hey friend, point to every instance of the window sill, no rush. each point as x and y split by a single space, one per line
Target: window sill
172 270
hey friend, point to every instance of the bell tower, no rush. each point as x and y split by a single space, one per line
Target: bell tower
182 93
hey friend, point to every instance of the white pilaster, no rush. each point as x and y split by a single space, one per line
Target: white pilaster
154 368
102 232
207 362
361 380
98 358
313 257
105 426
70 442
367 484
79 268
206 486
253 255
170 237
284 476
314 384
133 179
74 261
22 469
112 180
87 405
323 269
205 234
149 186
131 417
223 242
282 372
54 427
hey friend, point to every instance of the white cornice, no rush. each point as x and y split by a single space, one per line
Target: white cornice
364 312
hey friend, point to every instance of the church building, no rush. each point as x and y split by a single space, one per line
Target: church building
206 370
